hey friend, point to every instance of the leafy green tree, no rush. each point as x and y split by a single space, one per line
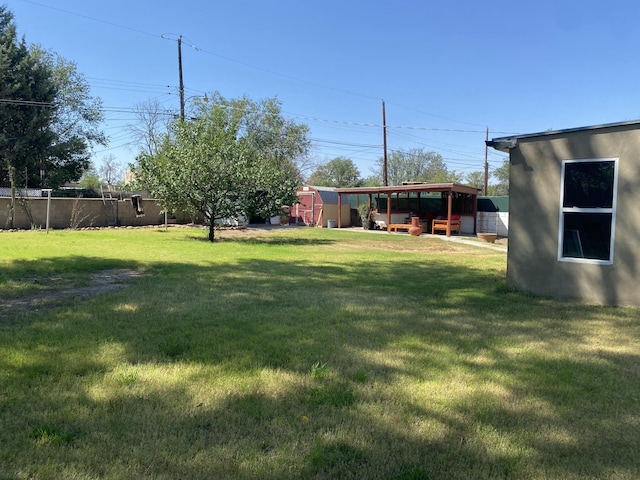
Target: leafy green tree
75 123
502 175
236 157
283 142
90 180
475 179
372 181
415 165
339 172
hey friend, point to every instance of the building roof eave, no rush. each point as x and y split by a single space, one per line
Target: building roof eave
504 144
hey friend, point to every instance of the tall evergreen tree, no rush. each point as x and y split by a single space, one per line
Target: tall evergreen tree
48 119
27 93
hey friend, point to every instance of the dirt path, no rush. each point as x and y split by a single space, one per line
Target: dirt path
100 282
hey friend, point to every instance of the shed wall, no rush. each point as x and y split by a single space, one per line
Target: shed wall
312 209
535 175
330 212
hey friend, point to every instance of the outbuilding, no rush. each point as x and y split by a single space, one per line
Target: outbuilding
319 206
574 216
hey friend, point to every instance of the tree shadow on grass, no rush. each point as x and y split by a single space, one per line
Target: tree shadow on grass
268 240
530 408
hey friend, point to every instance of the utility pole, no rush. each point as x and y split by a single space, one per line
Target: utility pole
486 164
181 87
385 177
181 82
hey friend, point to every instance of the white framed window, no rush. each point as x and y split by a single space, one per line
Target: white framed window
588 195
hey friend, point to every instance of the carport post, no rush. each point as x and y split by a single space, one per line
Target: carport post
449 210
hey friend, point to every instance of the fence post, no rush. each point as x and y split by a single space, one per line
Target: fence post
48 190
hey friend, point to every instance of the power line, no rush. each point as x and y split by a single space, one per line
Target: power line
136 30
272 72
28 103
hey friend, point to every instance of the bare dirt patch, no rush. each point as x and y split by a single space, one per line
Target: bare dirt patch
99 283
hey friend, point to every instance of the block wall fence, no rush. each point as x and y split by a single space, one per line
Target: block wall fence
80 213
93 212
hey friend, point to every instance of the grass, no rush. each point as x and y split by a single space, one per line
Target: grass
305 353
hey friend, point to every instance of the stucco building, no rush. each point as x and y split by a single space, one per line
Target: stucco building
574 202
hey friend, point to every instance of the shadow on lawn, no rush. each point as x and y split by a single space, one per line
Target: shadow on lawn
42 268
546 413
262 237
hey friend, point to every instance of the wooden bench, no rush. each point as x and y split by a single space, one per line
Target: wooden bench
394 227
441 225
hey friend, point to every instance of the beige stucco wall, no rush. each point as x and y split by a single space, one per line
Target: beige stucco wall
534 205
90 210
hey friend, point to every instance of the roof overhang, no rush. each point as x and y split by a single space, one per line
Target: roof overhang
504 144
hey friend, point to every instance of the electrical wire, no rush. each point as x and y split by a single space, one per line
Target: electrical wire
87 17
271 72
27 103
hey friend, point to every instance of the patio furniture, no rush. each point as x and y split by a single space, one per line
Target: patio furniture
444 225
394 227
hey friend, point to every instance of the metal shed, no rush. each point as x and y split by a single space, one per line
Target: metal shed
319 206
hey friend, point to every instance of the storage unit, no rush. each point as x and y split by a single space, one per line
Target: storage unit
317 206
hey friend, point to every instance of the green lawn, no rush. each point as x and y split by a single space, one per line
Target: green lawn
303 353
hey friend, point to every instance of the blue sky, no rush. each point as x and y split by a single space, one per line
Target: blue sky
446 70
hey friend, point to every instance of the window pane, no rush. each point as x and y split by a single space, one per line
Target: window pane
588 184
587 235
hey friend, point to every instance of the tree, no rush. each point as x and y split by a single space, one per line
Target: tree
75 123
372 181
111 171
339 172
476 179
26 110
234 158
49 121
502 175
283 142
415 165
90 180
151 125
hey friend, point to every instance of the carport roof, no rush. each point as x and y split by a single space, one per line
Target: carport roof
417 187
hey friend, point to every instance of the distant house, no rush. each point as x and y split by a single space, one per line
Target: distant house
574 212
318 206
